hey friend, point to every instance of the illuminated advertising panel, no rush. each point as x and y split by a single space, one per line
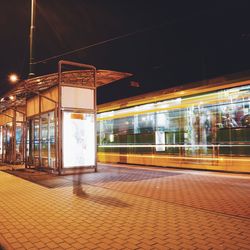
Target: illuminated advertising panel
78 139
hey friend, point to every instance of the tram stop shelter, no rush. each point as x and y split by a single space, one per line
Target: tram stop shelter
49 122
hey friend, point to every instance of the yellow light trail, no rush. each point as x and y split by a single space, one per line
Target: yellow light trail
173 157
170 146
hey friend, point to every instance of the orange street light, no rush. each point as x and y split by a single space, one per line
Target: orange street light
13 78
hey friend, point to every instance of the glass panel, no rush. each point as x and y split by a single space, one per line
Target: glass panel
4 142
47 140
78 139
35 137
9 142
33 141
44 140
19 142
52 146
1 142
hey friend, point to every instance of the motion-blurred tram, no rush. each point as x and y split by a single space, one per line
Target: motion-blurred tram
204 125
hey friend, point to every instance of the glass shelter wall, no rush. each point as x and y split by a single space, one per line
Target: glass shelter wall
41 152
19 142
1 143
7 140
207 125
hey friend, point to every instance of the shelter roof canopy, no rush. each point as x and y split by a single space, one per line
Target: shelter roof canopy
28 88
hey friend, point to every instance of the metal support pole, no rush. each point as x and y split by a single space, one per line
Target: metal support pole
39 133
13 155
56 139
26 127
48 140
32 31
95 110
59 121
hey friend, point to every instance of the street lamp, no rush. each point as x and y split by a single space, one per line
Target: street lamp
13 78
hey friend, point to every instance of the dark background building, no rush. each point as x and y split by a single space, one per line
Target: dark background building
163 43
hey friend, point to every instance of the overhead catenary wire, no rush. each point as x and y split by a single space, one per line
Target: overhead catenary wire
100 43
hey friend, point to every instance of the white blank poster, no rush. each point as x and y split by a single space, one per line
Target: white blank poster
77 98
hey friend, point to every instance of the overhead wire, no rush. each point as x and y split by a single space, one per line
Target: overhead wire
100 43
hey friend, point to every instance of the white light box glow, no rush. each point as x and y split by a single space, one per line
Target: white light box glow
78 139
77 98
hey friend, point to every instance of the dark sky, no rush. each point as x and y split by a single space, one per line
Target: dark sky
171 42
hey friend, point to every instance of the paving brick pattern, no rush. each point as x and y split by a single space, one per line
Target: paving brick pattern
115 214
217 192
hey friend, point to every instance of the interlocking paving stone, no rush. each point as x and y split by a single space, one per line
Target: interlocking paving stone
130 209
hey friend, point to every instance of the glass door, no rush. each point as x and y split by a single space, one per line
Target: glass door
8 142
19 142
35 141
51 141
41 151
47 140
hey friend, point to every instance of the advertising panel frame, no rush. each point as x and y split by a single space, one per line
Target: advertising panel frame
61 109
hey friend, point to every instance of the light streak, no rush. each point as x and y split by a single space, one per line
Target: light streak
170 146
174 157
211 98
162 96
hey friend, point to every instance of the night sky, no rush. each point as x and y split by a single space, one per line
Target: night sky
162 43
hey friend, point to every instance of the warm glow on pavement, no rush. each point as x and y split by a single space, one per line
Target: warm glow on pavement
125 208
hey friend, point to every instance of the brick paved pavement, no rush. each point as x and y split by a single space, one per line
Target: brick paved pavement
126 209
199 189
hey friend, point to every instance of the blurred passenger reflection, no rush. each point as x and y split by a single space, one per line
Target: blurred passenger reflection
77 183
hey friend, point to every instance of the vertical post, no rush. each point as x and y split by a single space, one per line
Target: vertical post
95 110
32 31
25 145
31 141
56 139
5 142
39 134
48 140
59 121
13 156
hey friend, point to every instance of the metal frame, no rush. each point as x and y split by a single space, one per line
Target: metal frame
89 78
4 134
40 113
13 139
61 109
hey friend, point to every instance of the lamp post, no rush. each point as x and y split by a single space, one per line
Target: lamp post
32 31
